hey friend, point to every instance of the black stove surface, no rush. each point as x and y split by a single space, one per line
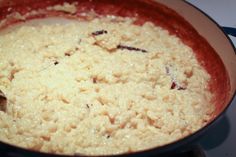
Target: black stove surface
196 152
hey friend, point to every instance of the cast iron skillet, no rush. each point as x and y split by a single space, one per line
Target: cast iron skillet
212 47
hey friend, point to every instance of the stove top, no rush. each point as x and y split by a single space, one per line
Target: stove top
196 152
221 140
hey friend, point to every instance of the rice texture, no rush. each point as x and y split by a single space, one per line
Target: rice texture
98 87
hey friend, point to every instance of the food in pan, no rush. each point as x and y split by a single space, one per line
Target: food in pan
98 87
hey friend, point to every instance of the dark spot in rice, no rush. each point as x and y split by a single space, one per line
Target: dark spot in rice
100 32
67 54
3 101
181 88
56 62
94 80
87 105
173 85
122 47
